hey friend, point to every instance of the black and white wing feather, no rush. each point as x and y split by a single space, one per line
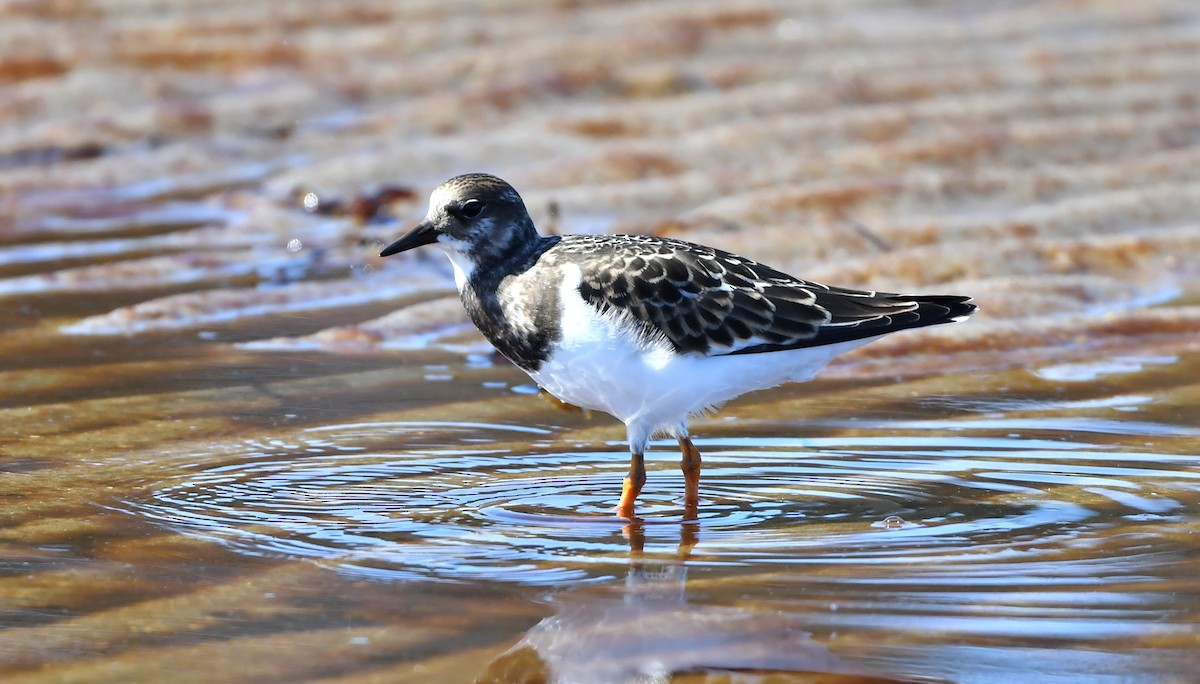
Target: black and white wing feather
706 301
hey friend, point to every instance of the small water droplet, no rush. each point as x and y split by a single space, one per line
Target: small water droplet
294 245
310 201
892 522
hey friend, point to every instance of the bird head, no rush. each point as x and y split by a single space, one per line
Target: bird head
474 217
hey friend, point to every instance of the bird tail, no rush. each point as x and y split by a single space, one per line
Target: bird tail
935 309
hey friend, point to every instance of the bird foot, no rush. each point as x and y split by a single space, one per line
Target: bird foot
559 403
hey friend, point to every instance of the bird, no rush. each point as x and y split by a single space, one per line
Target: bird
652 330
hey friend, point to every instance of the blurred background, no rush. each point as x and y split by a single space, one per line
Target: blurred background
236 445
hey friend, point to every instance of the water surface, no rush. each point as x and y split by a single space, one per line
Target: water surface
438 513
236 445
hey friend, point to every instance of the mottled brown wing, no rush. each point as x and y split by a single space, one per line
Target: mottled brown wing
705 301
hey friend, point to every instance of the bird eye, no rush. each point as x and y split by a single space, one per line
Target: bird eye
471 208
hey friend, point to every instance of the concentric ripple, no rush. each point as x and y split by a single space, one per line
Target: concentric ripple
458 501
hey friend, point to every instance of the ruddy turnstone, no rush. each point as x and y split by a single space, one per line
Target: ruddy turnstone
649 329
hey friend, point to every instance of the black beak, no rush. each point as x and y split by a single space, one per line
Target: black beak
423 234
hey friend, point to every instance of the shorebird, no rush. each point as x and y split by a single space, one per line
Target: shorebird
649 329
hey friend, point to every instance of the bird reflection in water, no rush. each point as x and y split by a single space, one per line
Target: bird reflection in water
647 632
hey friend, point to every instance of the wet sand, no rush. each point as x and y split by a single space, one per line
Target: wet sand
236 445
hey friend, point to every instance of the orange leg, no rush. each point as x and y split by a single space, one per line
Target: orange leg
633 486
691 476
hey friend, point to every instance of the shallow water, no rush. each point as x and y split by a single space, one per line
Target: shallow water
461 501
236 445
415 518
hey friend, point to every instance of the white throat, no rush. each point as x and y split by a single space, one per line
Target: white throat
463 265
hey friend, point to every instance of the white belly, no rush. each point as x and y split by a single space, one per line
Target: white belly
603 365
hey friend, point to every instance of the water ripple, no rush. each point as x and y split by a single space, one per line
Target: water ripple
458 501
